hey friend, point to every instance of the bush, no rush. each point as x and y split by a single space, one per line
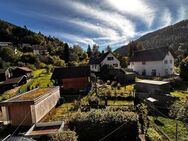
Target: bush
96 124
65 136
93 101
184 69
153 135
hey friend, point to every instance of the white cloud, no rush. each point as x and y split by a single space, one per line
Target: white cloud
166 19
137 8
77 38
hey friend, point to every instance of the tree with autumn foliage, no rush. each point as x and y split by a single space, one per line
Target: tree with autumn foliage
133 47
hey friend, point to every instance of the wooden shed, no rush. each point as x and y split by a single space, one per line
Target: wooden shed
72 78
29 107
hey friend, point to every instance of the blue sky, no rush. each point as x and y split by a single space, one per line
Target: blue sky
102 22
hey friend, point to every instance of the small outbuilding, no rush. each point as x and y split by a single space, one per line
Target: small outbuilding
20 71
72 78
152 87
29 107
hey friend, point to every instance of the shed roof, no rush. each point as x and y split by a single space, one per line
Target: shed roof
70 72
152 82
31 97
155 54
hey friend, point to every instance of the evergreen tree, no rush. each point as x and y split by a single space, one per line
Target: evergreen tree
89 51
66 53
96 50
108 49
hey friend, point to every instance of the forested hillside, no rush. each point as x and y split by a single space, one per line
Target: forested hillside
174 36
24 42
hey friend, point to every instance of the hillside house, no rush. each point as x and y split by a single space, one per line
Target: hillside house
39 50
153 62
13 82
72 78
96 62
29 107
6 44
20 71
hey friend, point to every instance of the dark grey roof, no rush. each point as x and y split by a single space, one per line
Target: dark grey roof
14 80
70 72
155 54
97 59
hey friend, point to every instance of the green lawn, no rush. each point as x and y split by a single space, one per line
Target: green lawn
169 127
40 79
120 102
180 94
63 112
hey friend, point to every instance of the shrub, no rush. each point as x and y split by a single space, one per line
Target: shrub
65 136
184 69
96 124
93 101
153 135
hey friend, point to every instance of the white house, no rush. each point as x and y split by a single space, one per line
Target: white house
96 62
153 62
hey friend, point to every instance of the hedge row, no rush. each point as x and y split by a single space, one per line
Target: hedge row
93 125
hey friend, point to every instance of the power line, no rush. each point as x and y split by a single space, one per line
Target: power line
112 132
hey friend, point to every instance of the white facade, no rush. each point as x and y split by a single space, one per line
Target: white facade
110 60
163 67
95 67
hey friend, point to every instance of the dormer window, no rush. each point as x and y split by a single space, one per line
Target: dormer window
143 63
110 58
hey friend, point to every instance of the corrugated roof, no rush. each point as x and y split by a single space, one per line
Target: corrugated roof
70 72
155 54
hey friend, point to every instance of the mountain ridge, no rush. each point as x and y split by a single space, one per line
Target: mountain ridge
173 36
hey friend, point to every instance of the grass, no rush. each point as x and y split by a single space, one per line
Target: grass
169 127
120 102
40 79
180 94
60 113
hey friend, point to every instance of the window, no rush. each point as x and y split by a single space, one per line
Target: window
115 65
170 61
166 72
154 72
132 63
144 72
110 58
143 63
166 61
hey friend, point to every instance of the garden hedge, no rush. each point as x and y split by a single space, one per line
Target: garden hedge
94 125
